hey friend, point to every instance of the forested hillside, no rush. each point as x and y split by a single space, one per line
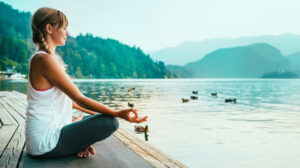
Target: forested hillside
87 56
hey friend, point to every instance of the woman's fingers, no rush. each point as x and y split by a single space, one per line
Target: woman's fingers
126 115
140 120
135 112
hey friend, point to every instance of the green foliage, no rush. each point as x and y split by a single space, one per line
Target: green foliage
14 53
14 23
93 57
86 56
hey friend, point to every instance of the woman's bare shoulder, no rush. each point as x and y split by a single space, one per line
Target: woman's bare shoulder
40 57
43 56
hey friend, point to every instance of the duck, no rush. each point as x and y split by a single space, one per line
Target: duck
214 94
130 104
185 100
141 128
194 97
230 100
195 92
131 89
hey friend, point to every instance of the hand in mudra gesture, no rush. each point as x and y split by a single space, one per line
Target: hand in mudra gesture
131 115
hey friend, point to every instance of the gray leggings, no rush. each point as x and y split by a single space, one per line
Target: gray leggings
79 135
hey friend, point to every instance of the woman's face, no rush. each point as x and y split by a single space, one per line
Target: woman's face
59 35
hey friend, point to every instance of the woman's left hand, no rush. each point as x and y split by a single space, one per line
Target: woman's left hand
74 119
126 114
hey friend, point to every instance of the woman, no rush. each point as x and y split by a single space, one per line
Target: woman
51 95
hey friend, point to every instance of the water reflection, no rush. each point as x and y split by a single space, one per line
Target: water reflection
114 93
250 133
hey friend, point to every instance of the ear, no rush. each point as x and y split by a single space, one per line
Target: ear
49 28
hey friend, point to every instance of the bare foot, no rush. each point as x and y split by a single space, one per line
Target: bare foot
86 153
92 150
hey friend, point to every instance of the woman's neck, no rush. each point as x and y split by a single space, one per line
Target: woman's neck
52 49
51 45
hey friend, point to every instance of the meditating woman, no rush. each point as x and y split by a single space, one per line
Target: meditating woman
51 95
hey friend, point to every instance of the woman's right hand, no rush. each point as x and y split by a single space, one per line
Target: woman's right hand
127 115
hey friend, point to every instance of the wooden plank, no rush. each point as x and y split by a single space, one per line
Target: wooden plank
17 99
20 120
18 103
5 116
20 109
6 133
12 152
2 93
142 153
20 96
21 162
158 154
14 95
23 95
15 104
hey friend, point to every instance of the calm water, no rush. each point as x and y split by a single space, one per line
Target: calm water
261 130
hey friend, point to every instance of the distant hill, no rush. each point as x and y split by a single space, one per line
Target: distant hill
250 61
295 60
14 23
180 71
284 74
86 56
193 51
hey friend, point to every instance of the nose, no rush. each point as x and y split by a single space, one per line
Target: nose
67 33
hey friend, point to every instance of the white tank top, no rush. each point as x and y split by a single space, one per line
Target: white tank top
47 112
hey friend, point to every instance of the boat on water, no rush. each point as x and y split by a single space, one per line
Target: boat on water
17 76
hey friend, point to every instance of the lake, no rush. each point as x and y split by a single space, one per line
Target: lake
261 130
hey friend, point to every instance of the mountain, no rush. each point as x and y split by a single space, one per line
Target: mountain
180 71
238 62
295 60
86 56
193 51
276 74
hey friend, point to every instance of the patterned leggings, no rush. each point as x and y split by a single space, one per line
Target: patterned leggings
79 135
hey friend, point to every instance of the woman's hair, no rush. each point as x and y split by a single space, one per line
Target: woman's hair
40 19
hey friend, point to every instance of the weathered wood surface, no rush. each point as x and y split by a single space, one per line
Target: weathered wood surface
12 136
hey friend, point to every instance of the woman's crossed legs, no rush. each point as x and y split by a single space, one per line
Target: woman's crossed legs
79 136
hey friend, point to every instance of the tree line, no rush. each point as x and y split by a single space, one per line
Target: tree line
87 56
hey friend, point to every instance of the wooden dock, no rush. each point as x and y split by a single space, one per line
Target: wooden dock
123 149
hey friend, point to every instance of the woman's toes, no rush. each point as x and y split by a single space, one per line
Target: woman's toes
92 150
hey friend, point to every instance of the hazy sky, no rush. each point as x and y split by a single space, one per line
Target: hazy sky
156 24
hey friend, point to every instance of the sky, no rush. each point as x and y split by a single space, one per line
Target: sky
157 24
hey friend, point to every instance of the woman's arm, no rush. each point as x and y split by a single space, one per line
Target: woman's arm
76 106
57 76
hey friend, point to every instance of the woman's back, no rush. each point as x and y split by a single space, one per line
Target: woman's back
47 112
